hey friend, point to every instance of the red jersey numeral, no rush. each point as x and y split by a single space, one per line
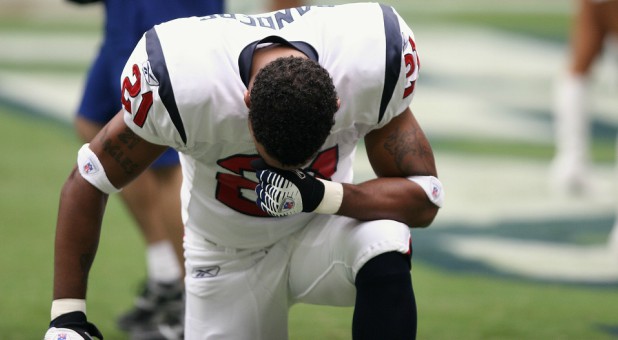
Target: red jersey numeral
411 66
230 187
133 90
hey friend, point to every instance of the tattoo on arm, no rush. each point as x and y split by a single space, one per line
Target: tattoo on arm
410 150
128 138
115 148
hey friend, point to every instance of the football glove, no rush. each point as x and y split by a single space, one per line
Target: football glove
72 326
286 192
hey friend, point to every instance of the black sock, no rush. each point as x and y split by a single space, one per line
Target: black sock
385 306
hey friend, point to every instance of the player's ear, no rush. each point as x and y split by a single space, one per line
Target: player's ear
247 99
338 103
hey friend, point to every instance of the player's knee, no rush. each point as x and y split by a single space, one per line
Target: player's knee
390 266
369 239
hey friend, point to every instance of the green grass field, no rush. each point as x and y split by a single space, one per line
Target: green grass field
39 152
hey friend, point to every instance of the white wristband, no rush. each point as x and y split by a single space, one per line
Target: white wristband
63 306
333 196
432 187
92 170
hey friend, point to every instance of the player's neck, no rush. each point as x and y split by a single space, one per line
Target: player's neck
265 55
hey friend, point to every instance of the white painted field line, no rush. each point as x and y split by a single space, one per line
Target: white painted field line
541 260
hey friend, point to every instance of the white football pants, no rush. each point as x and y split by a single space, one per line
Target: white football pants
246 293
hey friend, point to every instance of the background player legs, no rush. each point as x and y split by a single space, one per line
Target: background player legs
169 180
155 213
594 20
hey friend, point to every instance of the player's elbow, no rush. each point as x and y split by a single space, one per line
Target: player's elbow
423 218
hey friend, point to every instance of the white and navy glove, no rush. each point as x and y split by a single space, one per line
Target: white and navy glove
72 326
288 192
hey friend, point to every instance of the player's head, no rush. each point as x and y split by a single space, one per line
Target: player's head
293 104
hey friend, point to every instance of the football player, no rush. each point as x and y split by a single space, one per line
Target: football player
267 111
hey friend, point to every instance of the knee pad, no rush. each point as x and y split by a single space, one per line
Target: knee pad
390 264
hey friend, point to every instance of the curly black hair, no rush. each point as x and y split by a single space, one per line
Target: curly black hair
293 104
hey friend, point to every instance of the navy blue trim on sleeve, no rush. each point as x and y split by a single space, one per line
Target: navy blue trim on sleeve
166 92
392 34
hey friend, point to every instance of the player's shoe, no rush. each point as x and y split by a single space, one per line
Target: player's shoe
158 304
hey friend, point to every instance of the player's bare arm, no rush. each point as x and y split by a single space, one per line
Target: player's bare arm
123 155
401 149
396 151
77 235
406 189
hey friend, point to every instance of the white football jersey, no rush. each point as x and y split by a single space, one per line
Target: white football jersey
183 86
